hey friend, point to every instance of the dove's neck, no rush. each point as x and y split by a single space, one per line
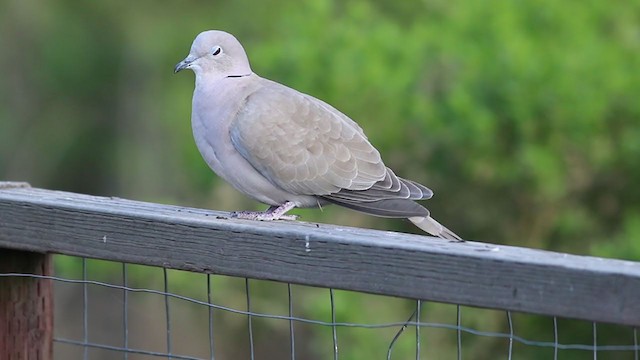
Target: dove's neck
238 76
210 78
224 93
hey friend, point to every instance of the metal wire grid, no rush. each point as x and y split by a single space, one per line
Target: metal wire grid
414 321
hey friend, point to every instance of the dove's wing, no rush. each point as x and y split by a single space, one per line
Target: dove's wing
301 146
307 147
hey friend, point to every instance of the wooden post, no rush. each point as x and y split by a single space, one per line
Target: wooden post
26 306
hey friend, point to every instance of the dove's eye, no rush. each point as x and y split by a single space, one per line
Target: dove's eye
217 50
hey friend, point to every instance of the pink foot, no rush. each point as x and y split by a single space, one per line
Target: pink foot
273 213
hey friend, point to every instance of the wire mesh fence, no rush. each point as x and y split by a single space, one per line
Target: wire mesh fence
107 310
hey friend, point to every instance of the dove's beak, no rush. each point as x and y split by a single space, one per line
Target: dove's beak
184 64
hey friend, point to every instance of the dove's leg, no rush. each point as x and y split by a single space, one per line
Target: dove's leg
272 213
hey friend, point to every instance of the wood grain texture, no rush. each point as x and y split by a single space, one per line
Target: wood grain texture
26 306
379 262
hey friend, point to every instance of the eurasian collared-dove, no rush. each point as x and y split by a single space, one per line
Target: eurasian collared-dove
289 149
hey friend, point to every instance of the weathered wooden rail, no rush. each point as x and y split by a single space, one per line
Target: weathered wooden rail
379 262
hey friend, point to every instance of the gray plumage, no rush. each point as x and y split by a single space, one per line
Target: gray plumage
289 149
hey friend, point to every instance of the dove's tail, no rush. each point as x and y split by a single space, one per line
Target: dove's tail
398 208
430 225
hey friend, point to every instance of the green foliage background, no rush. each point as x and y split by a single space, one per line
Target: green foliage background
523 116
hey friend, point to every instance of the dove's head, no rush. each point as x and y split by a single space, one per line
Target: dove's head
216 53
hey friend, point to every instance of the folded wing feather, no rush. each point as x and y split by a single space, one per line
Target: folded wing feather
306 147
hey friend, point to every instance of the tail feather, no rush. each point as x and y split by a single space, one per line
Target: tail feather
430 225
398 208
392 208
